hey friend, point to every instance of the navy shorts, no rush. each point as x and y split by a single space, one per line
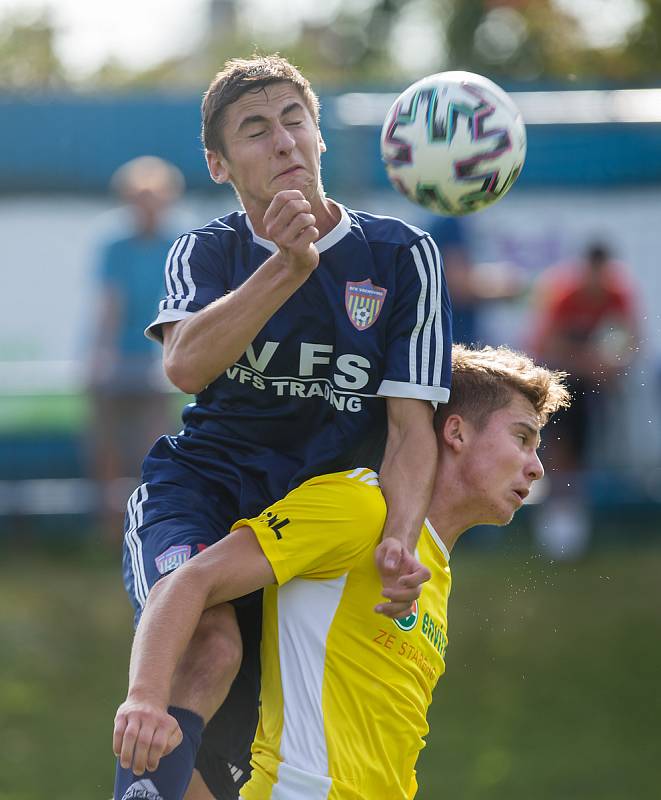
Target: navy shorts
166 524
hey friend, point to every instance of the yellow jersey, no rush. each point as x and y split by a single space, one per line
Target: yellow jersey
345 691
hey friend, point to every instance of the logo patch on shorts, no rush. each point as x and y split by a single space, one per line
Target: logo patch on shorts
172 558
409 622
363 302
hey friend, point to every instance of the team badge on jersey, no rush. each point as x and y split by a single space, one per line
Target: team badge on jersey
409 622
363 302
172 558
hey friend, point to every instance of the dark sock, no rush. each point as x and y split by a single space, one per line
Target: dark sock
174 772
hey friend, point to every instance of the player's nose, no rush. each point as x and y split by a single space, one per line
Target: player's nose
284 142
535 468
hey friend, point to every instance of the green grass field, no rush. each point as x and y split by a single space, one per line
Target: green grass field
552 688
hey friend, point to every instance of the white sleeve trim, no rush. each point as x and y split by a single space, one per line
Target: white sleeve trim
153 330
438 394
428 327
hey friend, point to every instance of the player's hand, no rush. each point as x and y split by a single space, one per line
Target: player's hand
144 733
289 223
402 576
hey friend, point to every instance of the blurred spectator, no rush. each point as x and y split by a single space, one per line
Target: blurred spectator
471 285
127 390
585 323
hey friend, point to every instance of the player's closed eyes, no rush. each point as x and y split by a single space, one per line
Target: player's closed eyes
293 123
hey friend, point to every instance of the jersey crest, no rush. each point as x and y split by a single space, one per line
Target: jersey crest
363 302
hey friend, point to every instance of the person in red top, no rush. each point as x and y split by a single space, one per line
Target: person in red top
586 324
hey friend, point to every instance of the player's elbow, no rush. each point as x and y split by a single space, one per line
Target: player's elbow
180 374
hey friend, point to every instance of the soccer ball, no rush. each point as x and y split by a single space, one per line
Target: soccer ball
453 143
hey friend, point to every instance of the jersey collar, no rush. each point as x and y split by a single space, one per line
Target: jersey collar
440 543
325 243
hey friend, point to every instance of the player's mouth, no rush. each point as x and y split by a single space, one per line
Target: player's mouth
521 494
290 170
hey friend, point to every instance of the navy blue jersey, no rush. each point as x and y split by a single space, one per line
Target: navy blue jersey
306 398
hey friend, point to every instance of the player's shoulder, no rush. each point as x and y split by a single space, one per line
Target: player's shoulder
357 491
221 231
222 236
383 229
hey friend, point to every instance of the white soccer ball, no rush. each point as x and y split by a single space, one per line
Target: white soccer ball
453 142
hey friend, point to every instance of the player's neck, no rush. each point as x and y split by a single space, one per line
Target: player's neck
328 214
449 512
447 531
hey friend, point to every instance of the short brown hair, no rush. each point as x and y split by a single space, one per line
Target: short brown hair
484 380
241 75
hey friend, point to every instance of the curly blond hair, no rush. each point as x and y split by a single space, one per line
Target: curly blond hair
485 379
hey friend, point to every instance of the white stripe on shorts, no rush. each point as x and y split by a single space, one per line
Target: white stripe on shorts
134 544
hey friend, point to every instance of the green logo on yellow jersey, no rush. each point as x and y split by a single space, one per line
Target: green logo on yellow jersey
435 633
409 622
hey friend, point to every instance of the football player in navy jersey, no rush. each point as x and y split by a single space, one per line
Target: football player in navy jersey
316 339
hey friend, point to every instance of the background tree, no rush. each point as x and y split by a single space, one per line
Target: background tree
374 43
28 59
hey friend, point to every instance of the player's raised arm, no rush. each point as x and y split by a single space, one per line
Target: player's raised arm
417 375
406 477
144 732
197 349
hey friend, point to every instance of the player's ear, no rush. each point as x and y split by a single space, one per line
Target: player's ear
322 144
218 167
454 433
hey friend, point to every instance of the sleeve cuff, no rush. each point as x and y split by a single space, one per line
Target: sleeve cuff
435 394
264 535
153 330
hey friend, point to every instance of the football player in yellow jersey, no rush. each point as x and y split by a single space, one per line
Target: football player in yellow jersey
345 691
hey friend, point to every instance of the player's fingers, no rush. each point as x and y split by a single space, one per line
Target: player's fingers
142 747
394 610
289 223
281 199
160 742
292 233
174 741
154 755
128 744
388 555
300 232
412 579
402 594
118 733
307 236
277 220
